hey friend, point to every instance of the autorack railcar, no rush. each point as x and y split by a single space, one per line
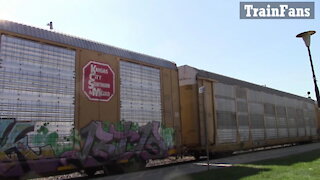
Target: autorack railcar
68 103
240 115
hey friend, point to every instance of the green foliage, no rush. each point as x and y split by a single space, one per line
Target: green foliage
301 166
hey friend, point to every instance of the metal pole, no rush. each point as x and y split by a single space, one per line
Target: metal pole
202 90
206 129
314 79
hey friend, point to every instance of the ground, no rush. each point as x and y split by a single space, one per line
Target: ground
300 166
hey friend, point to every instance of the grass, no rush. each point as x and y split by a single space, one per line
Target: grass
301 166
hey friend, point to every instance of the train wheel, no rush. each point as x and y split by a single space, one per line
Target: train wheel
90 171
196 155
135 165
113 169
212 155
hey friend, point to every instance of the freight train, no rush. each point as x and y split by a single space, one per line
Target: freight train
70 104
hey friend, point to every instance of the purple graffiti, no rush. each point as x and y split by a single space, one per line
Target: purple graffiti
145 143
93 133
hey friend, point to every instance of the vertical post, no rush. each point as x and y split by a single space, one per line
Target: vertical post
202 90
314 78
307 41
50 24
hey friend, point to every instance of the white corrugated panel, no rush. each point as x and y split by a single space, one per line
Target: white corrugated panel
223 104
293 103
257 134
224 90
271 127
257 126
293 132
292 124
300 121
243 122
313 124
280 101
241 93
244 133
307 121
312 119
282 127
254 96
267 98
282 132
227 135
301 131
242 114
256 108
37 84
271 133
140 93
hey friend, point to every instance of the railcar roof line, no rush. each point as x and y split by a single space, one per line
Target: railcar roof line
70 40
241 83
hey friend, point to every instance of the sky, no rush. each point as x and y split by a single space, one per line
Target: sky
208 35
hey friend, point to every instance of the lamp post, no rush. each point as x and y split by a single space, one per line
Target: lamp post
306 38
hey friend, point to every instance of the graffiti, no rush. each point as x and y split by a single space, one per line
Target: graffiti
13 133
14 145
168 134
44 137
123 141
100 141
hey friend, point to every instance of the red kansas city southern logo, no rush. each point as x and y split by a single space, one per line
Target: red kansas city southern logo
98 81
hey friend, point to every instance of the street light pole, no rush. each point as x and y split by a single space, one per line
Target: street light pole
306 38
314 79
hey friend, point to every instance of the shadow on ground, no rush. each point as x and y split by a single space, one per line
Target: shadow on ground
290 160
222 173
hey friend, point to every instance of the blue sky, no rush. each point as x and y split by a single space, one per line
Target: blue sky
208 35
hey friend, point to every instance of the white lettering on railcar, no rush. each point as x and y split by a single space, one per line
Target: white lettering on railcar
95 87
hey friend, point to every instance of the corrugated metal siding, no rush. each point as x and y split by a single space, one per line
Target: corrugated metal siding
37 87
235 82
256 110
271 127
282 120
292 124
140 93
270 119
300 123
82 43
243 121
312 120
242 114
307 120
271 116
226 113
257 126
